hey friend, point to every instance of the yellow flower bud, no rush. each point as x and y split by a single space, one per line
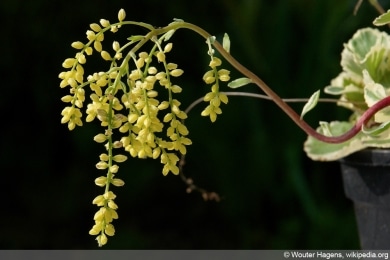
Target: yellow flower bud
81 58
209 96
168 47
102 240
100 138
77 45
95 27
119 158
152 93
223 97
176 89
95 230
160 56
91 35
115 46
68 63
168 117
114 168
117 182
104 22
182 129
176 72
109 195
101 181
106 55
171 66
88 50
223 75
109 230
99 200
121 15
67 98
101 165
215 62
156 153
99 215
152 70
98 46
112 204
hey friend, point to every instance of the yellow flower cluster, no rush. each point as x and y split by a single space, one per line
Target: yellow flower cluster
215 97
143 122
124 99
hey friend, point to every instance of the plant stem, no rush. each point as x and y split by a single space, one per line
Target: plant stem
279 101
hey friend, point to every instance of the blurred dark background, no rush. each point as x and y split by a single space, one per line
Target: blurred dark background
274 197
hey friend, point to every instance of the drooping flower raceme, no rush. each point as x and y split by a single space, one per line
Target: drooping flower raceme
126 101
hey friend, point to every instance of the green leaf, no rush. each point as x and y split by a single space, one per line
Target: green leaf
239 82
226 42
363 51
325 128
334 90
311 103
320 151
373 92
377 130
382 19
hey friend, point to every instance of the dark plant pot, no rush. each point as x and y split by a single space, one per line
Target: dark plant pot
366 176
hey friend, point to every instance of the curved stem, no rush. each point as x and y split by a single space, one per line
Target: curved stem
279 101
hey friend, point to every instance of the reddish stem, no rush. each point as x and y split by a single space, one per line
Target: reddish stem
282 104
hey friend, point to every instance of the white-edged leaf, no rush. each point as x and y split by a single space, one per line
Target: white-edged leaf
239 82
325 128
376 130
334 90
226 42
373 92
311 103
382 19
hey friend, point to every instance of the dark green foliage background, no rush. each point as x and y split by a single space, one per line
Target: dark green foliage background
274 197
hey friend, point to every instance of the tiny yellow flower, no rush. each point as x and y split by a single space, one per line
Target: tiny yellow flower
114 168
109 195
215 62
99 200
102 239
109 230
101 165
112 204
101 181
95 229
223 75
